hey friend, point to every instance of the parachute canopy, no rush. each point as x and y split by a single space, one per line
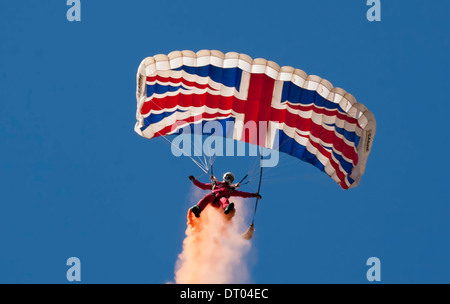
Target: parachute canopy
303 116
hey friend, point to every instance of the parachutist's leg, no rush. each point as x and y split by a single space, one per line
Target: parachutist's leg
207 199
196 210
226 205
201 205
224 202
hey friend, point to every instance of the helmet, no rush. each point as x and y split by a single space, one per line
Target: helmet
228 177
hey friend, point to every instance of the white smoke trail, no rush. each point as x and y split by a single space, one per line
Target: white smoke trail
214 251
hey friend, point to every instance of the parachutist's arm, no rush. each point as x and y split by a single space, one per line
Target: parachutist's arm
202 185
235 186
213 178
256 194
241 194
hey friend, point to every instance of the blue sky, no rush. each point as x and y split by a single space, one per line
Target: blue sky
76 180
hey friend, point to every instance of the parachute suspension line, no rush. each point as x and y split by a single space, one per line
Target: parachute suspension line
198 152
212 159
202 166
211 176
259 189
253 165
208 157
200 176
249 233
206 161
243 179
248 178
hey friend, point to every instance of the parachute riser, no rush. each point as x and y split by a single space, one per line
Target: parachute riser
249 233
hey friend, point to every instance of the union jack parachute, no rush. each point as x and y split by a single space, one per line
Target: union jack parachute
305 116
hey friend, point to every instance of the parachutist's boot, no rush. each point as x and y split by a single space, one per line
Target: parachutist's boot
229 208
196 210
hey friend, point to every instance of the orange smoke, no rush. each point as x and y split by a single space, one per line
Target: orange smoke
214 251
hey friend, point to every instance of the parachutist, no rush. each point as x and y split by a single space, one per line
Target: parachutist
220 193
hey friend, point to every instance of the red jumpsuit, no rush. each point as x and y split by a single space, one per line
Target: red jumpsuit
219 195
